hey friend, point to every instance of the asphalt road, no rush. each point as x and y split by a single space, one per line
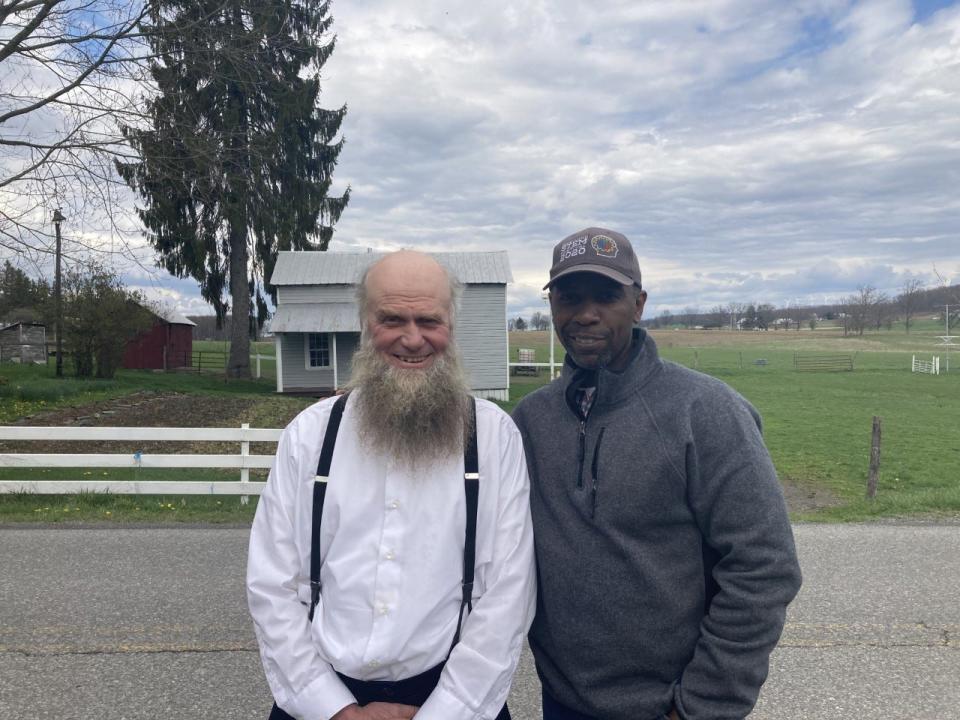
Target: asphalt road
150 624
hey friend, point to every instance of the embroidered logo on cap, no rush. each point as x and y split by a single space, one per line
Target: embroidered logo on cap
605 246
573 248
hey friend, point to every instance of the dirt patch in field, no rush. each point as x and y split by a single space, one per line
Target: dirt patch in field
802 498
151 409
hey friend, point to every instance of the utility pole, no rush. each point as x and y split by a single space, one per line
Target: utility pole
58 294
947 339
552 331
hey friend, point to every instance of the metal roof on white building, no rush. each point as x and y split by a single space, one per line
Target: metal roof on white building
306 267
315 317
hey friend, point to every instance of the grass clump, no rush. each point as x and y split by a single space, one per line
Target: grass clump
107 508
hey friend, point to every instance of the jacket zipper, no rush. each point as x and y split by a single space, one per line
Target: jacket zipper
595 474
581 452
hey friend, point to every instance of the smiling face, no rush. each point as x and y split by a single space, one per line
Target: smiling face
594 317
408 310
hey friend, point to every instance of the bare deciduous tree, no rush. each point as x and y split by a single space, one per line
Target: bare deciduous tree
68 71
882 311
539 321
949 295
911 292
859 308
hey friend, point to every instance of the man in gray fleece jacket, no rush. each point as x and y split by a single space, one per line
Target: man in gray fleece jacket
665 555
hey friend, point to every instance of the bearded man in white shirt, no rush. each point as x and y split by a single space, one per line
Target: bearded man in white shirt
398 630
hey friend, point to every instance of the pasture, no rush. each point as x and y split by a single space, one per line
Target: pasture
816 424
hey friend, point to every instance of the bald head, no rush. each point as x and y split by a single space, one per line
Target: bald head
407 274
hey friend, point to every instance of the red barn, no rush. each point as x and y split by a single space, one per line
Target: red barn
166 345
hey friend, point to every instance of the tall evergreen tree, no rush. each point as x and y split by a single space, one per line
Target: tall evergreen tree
238 161
19 292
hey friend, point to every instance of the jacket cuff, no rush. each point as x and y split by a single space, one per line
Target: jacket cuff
321 699
678 703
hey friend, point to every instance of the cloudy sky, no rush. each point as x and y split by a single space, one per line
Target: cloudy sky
752 150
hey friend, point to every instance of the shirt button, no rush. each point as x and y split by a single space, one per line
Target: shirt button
393 504
373 663
389 555
383 609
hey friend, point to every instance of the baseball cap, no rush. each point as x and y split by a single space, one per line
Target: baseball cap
596 250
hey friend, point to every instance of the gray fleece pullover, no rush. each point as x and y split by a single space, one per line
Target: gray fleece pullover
665 556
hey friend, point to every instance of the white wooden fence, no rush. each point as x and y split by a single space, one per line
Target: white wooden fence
243 461
931 366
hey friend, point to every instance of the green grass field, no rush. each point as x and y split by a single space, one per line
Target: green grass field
816 424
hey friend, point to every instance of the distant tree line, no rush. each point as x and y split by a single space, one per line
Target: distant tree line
537 321
865 309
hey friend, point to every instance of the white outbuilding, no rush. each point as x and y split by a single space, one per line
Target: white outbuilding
316 326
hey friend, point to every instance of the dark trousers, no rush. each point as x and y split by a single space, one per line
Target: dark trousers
411 691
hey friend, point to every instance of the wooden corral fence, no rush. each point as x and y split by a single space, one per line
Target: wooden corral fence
216 361
242 461
822 362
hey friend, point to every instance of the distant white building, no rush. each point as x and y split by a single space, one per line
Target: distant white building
316 327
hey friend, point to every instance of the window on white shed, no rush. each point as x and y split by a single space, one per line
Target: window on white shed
318 350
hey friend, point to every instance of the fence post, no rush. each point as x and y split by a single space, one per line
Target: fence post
258 366
244 472
874 474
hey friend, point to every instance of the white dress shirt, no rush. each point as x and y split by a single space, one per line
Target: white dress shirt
392 552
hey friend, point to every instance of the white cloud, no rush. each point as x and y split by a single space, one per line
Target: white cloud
728 134
753 150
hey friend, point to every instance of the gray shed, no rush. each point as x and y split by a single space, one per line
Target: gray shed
23 342
316 326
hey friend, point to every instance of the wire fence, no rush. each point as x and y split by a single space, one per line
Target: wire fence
719 360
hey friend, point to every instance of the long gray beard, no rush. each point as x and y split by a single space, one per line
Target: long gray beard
414 416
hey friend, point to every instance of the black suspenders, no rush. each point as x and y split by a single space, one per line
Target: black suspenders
471 486
319 493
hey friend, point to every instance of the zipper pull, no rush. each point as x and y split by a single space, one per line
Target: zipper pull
581 452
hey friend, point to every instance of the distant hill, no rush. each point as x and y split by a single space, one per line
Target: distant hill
930 301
